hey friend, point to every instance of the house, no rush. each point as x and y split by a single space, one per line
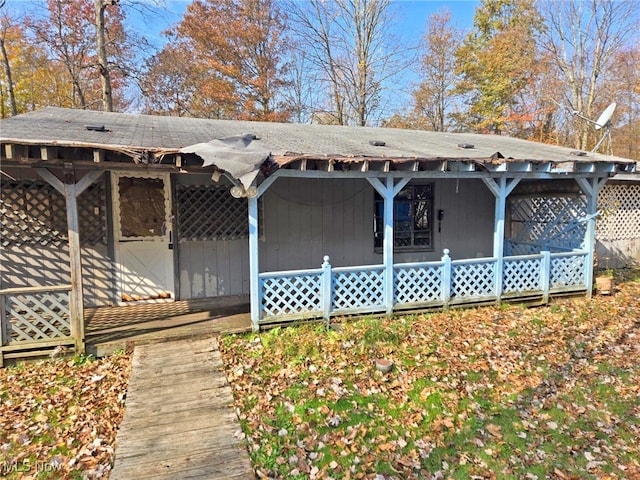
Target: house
309 220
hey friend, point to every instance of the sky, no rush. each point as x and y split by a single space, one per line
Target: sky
410 20
411 14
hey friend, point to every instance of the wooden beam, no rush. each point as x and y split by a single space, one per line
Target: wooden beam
98 156
48 153
88 180
9 150
76 296
52 180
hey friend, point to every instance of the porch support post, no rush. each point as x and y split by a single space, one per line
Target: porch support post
590 187
254 283
501 190
71 190
388 191
254 265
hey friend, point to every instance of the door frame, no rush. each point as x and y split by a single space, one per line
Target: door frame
167 238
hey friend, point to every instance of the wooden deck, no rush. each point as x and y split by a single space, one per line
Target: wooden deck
117 328
179 420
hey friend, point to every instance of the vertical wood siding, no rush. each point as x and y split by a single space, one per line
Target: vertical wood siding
213 268
306 219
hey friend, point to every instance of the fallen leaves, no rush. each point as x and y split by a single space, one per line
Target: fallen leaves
503 392
58 418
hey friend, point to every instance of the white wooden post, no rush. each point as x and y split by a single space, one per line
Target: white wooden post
326 289
545 275
590 187
501 190
254 281
254 266
387 246
446 277
388 191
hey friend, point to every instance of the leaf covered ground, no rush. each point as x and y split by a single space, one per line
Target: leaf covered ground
58 418
505 392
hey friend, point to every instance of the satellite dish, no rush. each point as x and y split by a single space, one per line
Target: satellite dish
605 117
603 123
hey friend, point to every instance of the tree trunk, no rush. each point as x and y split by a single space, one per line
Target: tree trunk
7 72
105 76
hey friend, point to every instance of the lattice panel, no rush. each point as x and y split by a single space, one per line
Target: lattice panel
567 271
41 316
515 248
32 213
92 215
548 221
210 213
357 289
521 275
291 295
473 280
619 212
417 284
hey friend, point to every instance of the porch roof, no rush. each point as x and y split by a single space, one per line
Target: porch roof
149 139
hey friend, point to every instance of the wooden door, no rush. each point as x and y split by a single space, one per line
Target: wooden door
143 236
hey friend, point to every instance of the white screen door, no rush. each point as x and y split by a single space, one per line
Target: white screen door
143 236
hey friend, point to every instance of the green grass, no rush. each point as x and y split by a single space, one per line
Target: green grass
501 393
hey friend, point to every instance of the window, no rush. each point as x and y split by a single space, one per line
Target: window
412 219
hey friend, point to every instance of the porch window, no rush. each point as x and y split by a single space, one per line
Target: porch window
412 219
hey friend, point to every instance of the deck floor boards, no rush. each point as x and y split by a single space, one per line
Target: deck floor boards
118 328
180 422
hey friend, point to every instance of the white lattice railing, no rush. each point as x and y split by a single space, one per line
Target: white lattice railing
418 284
328 291
568 271
525 273
357 289
34 317
473 279
291 294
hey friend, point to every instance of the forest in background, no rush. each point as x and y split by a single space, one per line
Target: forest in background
533 69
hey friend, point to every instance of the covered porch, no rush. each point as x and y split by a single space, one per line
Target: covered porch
552 256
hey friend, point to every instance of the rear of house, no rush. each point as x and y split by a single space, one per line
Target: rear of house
104 209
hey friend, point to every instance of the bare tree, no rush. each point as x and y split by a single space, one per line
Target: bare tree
435 95
582 37
352 52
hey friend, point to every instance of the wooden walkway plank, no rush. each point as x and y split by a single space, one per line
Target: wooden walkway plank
179 420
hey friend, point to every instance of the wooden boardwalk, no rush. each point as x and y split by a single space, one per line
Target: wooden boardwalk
179 421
